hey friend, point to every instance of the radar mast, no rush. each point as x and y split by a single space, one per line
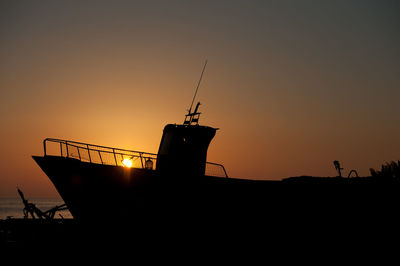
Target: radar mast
193 117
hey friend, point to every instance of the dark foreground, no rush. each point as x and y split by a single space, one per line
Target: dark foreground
312 217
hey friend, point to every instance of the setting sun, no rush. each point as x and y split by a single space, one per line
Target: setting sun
127 163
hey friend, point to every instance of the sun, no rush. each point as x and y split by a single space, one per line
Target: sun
127 163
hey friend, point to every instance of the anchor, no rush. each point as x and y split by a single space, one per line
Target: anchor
35 212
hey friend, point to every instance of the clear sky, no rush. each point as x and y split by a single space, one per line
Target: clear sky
292 85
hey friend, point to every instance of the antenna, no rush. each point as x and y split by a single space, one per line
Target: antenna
198 85
194 117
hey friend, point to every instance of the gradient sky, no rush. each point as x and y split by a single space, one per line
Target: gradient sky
292 85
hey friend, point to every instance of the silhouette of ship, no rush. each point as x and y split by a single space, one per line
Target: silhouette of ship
102 181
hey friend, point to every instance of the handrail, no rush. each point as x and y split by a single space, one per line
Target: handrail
87 144
220 165
98 149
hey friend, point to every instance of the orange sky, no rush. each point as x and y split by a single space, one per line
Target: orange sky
292 86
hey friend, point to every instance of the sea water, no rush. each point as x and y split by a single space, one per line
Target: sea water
13 207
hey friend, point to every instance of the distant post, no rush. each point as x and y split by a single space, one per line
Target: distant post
338 168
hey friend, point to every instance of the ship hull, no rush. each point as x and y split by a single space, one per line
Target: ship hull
94 191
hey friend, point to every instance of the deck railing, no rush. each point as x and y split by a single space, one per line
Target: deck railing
112 156
98 154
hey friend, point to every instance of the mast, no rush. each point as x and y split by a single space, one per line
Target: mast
194 117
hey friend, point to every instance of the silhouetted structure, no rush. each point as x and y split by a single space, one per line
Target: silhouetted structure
97 181
30 208
338 168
